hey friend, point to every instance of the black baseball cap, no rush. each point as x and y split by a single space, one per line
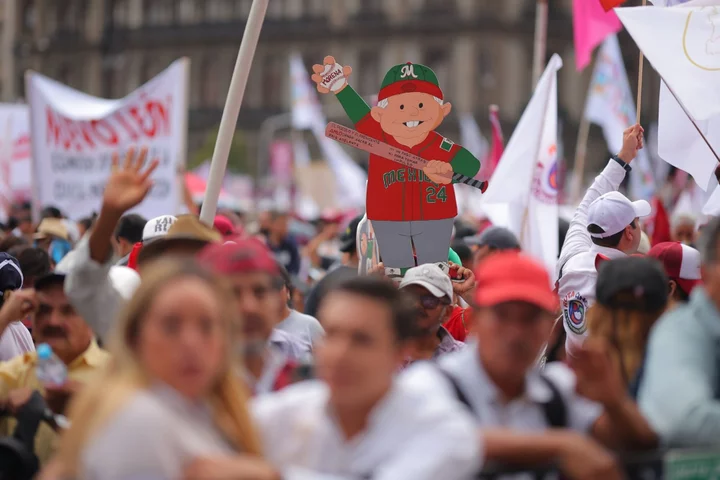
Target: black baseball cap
348 239
632 283
11 277
497 238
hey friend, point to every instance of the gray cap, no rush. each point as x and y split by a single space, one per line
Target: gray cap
431 277
497 238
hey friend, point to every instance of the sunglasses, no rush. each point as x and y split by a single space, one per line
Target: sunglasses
430 301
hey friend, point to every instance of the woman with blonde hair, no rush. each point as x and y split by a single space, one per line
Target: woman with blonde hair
632 294
171 404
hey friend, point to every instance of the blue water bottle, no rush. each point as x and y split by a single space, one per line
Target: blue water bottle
50 370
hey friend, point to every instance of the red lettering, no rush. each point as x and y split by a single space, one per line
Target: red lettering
149 118
104 132
148 129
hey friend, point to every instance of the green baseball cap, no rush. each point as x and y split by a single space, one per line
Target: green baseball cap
409 78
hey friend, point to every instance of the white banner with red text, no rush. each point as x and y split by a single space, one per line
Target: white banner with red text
74 136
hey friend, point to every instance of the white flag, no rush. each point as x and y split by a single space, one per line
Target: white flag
74 136
680 144
468 199
683 45
611 105
668 3
306 114
522 194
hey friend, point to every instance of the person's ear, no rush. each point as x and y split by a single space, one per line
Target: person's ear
673 287
447 313
446 108
376 113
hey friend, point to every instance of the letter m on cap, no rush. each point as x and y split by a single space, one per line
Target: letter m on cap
446 144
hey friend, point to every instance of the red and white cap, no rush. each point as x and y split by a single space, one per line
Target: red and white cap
613 212
682 263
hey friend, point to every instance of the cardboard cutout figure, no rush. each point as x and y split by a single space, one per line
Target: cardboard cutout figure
367 248
411 210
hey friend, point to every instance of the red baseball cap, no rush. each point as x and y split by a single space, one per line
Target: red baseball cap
682 263
513 276
223 225
242 255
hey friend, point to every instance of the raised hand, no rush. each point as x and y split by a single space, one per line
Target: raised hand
17 306
633 141
324 82
130 183
598 378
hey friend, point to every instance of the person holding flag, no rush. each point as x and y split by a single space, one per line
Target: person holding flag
605 223
411 210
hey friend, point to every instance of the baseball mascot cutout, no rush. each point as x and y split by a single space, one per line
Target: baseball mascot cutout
410 199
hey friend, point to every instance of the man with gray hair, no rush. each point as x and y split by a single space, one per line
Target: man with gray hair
679 393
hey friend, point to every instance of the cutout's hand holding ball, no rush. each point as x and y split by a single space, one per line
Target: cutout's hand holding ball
331 76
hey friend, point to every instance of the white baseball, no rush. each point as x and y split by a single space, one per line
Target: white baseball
333 77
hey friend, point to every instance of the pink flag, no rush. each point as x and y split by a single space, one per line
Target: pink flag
592 24
498 142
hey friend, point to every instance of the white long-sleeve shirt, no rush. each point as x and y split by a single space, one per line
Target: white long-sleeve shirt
91 291
576 266
419 431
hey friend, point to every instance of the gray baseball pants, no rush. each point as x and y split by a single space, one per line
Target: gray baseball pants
431 239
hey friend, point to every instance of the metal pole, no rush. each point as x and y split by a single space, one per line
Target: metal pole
540 50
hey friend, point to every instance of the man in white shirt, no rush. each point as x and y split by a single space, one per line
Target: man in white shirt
497 379
15 339
293 322
360 421
605 223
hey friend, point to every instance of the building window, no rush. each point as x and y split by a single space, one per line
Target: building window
121 13
159 12
28 16
209 83
63 74
272 73
66 15
219 10
437 59
368 73
486 68
242 9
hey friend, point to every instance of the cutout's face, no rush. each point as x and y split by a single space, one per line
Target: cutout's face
409 115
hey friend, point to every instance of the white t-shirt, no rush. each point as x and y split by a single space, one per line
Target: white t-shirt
14 341
303 326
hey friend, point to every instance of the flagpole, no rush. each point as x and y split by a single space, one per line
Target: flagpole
228 122
640 79
540 52
580 155
692 120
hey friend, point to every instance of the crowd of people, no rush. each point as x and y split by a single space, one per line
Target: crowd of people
233 351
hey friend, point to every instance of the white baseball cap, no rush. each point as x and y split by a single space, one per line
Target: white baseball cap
430 277
157 227
613 212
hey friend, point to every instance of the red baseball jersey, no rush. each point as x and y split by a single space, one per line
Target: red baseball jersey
414 196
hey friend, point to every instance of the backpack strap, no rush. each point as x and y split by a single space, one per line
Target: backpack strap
456 389
555 409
